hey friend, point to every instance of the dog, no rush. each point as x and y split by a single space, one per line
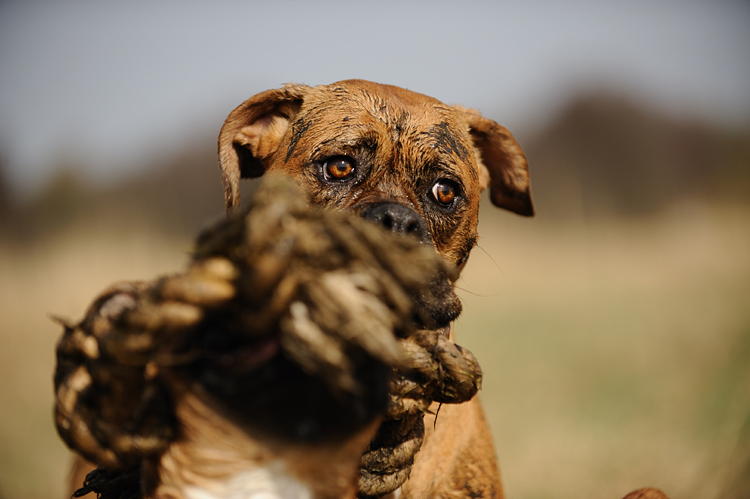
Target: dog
404 161
411 164
414 165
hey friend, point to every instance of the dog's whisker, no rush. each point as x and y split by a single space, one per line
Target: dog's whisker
492 260
480 295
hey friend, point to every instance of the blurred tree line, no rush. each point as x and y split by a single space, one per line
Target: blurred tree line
606 155
602 156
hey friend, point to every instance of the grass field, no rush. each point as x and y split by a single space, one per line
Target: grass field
616 352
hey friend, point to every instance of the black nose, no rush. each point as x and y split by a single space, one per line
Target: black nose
397 218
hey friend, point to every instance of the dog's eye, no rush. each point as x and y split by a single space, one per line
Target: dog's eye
444 192
338 168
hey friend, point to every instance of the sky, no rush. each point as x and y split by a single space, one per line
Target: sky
109 85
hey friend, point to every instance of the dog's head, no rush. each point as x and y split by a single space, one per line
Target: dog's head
399 158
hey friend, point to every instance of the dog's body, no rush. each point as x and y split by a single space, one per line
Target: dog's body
405 161
412 164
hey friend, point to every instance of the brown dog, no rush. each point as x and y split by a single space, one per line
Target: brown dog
414 165
405 161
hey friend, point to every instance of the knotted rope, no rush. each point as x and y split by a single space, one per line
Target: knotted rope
324 282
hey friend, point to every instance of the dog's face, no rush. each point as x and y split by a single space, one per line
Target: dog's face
399 158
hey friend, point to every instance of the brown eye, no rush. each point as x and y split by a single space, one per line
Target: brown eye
338 168
444 192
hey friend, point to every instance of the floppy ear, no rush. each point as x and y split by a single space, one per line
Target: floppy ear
252 134
502 164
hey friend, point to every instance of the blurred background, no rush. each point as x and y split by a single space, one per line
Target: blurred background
613 328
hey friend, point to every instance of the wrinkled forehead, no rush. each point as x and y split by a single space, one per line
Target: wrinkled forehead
385 103
364 111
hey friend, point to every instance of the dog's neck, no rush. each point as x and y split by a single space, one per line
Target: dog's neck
214 458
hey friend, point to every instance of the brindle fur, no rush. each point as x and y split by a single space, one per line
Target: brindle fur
402 142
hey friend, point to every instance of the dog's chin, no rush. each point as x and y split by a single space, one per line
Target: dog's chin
260 389
441 307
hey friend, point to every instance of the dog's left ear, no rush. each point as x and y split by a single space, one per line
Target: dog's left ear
502 165
252 134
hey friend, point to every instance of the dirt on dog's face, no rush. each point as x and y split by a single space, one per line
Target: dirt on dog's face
360 150
402 159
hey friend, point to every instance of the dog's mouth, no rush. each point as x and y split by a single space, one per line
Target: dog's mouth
246 359
438 314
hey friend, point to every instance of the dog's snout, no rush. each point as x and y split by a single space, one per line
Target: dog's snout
397 218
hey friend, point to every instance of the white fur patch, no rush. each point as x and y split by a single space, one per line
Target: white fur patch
268 482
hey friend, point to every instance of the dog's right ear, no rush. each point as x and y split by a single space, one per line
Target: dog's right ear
252 134
502 163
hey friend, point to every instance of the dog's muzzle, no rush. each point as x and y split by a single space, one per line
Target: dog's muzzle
401 219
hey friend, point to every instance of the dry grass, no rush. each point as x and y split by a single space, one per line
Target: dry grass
616 353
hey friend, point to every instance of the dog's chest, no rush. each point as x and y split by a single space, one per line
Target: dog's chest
267 482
